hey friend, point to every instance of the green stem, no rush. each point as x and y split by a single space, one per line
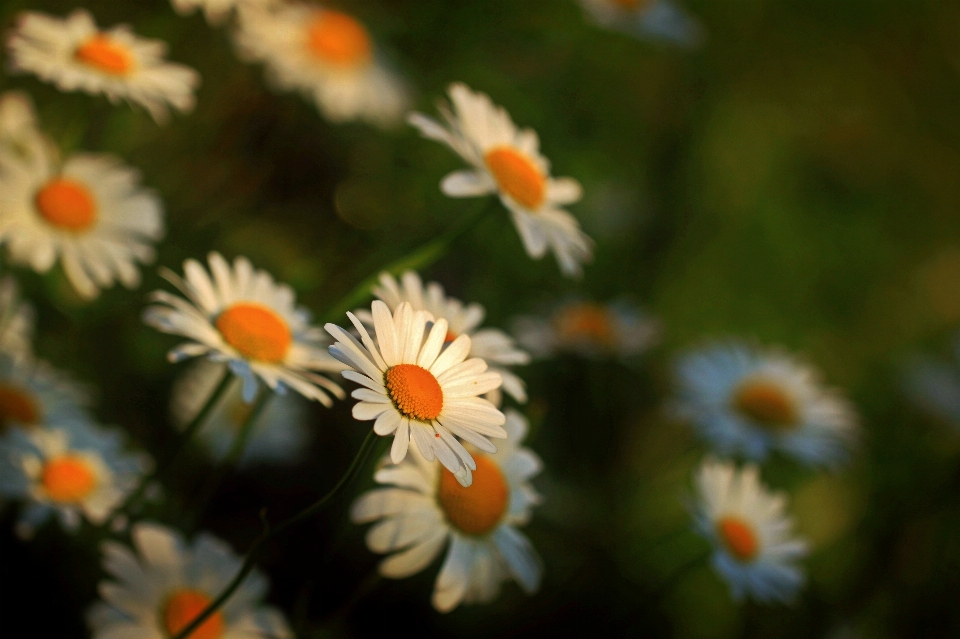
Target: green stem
269 534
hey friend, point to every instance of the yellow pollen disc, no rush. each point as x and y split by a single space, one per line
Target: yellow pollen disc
182 607
66 204
256 331
105 55
586 321
767 404
739 538
338 39
415 391
517 176
67 479
477 509
17 407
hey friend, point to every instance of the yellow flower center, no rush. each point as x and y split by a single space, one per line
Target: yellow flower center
517 176
339 39
255 331
105 55
17 407
767 404
477 509
586 321
66 204
182 607
415 391
739 538
68 479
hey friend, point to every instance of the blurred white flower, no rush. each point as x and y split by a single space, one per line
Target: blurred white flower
159 589
422 507
16 321
34 395
74 54
506 161
216 11
20 133
661 20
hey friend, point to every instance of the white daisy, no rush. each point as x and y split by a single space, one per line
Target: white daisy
423 507
74 54
326 55
160 588
34 395
754 549
507 161
75 471
280 433
647 19
589 329
492 345
19 129
415 387
243 317
750 402
216 11
16 321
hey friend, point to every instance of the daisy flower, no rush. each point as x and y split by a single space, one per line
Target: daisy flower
33 395
589 329
507 161
646 19
746 401
216 11
326 55
422 507
492 345
19 130
279 435
415 387
159 587
241 316
74 54
73 472
16 322
89 212
754 549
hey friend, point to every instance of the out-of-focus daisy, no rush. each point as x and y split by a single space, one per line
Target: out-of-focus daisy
89 212
74 472
748 401
158 590
423 507
74 54
417 387
647 19
241 316
589 329
492 345
34 395
216 11
754 548
280 433
19 131
507 161
327 55
16 321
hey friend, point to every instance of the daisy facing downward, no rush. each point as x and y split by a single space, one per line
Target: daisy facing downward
506 161
414 387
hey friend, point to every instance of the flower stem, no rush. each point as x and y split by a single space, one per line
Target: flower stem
269 534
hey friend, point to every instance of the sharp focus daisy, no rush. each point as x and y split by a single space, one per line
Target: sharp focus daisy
16 321
506 161
74 472
158 588
494 346
19 130
88 212
216 11
417 387
33 395
241 316
589 329
749 402
422 508
646 19
279 435
328 56
754 548
75 55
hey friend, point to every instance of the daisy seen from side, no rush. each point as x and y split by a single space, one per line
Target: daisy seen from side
657 20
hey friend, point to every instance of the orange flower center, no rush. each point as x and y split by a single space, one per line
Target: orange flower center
739 538
767 404
182 607
477 509
66 204
590 321
256 331
338 39
449 337
415 391
103 54
17 407
67 479
517 176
